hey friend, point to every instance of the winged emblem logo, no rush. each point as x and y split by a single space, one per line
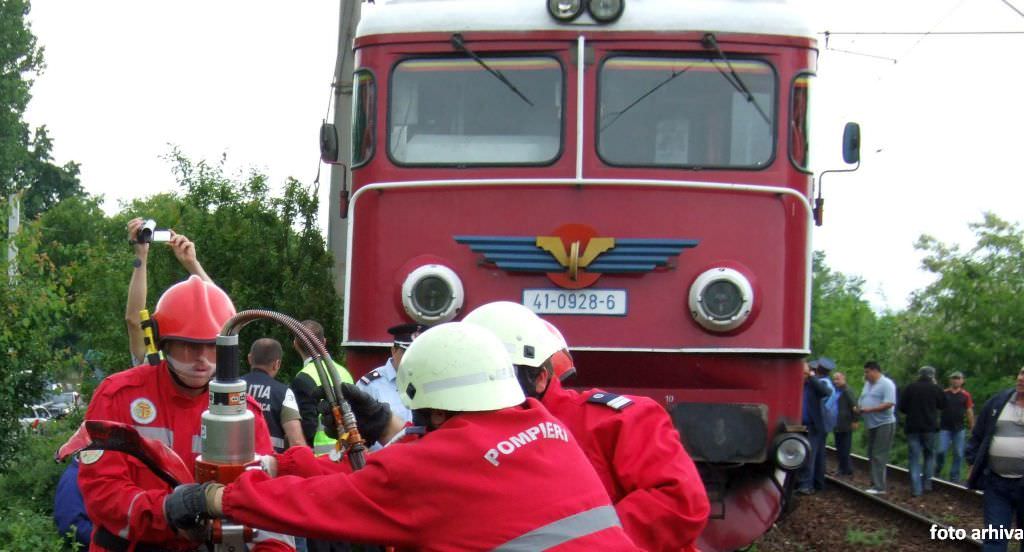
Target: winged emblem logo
574 256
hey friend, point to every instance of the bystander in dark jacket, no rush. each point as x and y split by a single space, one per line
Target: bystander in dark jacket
817 388
981 438
921 402
845 421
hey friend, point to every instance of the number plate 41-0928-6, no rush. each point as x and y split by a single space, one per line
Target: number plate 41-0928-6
608 302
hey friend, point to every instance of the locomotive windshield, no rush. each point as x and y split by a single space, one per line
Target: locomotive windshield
685 112
454 112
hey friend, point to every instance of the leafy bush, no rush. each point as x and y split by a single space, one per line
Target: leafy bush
27 489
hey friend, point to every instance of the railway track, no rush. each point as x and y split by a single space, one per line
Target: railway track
843 517
947 506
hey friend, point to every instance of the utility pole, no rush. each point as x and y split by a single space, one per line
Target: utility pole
341 177
13 225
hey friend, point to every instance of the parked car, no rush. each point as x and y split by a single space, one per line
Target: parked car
32 417
62 404
57 410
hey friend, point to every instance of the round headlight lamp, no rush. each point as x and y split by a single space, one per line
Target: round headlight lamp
565 10
791 451
721 299
606 11
432 294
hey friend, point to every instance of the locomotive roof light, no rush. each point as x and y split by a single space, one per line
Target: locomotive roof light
606 11
565 10
791 450
721 299
432 294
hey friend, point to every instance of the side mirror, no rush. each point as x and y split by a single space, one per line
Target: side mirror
329 143
851 143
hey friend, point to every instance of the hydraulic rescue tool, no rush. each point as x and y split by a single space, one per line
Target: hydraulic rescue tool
228 439
228 427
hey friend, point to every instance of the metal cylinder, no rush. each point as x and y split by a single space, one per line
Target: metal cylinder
228 426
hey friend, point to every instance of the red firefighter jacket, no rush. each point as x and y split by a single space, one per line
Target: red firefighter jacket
120 492
481 480
639 457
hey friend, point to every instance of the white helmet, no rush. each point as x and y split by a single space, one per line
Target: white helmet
525 335
458 367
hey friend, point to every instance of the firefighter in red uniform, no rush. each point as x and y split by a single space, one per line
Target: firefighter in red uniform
630 441
123 497
487 473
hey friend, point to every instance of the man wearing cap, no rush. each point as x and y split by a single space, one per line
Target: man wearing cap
379 383
921 402
817 389
951 425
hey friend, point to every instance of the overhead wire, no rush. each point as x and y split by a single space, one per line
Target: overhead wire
1014 8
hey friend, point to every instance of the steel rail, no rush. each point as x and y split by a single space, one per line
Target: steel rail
948 487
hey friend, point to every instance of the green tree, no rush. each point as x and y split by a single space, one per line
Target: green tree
47 184
972 316
20 59
843 325
32 331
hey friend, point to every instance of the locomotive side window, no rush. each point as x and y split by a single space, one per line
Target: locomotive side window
685 112
364 110
447 111
799 125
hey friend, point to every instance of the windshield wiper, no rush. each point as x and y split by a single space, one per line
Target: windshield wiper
642 96
710 43
459 44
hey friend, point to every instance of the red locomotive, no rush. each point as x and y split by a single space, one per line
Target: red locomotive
636 172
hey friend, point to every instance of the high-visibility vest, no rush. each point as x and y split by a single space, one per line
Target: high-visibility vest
322 444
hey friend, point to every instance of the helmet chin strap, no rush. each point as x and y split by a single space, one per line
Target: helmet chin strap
177 379
528 381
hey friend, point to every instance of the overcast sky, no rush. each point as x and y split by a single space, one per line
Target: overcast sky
941 126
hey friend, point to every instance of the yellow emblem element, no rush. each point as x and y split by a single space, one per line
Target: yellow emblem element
572 259
143 411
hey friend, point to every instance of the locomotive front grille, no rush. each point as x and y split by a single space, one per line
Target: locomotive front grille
723 433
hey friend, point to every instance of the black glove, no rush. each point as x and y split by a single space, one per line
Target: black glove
187 508
372 416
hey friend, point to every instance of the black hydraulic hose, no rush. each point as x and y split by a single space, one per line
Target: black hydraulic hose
330 380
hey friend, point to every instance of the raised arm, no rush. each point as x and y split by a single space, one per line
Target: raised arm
136 295
185 251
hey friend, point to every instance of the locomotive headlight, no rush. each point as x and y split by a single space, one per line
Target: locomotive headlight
791 450
721 299
606 11
565 10
432 294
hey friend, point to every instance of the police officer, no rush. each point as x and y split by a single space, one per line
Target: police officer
124 499
630 441
277 400
489 472
379 383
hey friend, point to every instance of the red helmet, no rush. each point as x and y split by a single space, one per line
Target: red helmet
193 311
561 361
